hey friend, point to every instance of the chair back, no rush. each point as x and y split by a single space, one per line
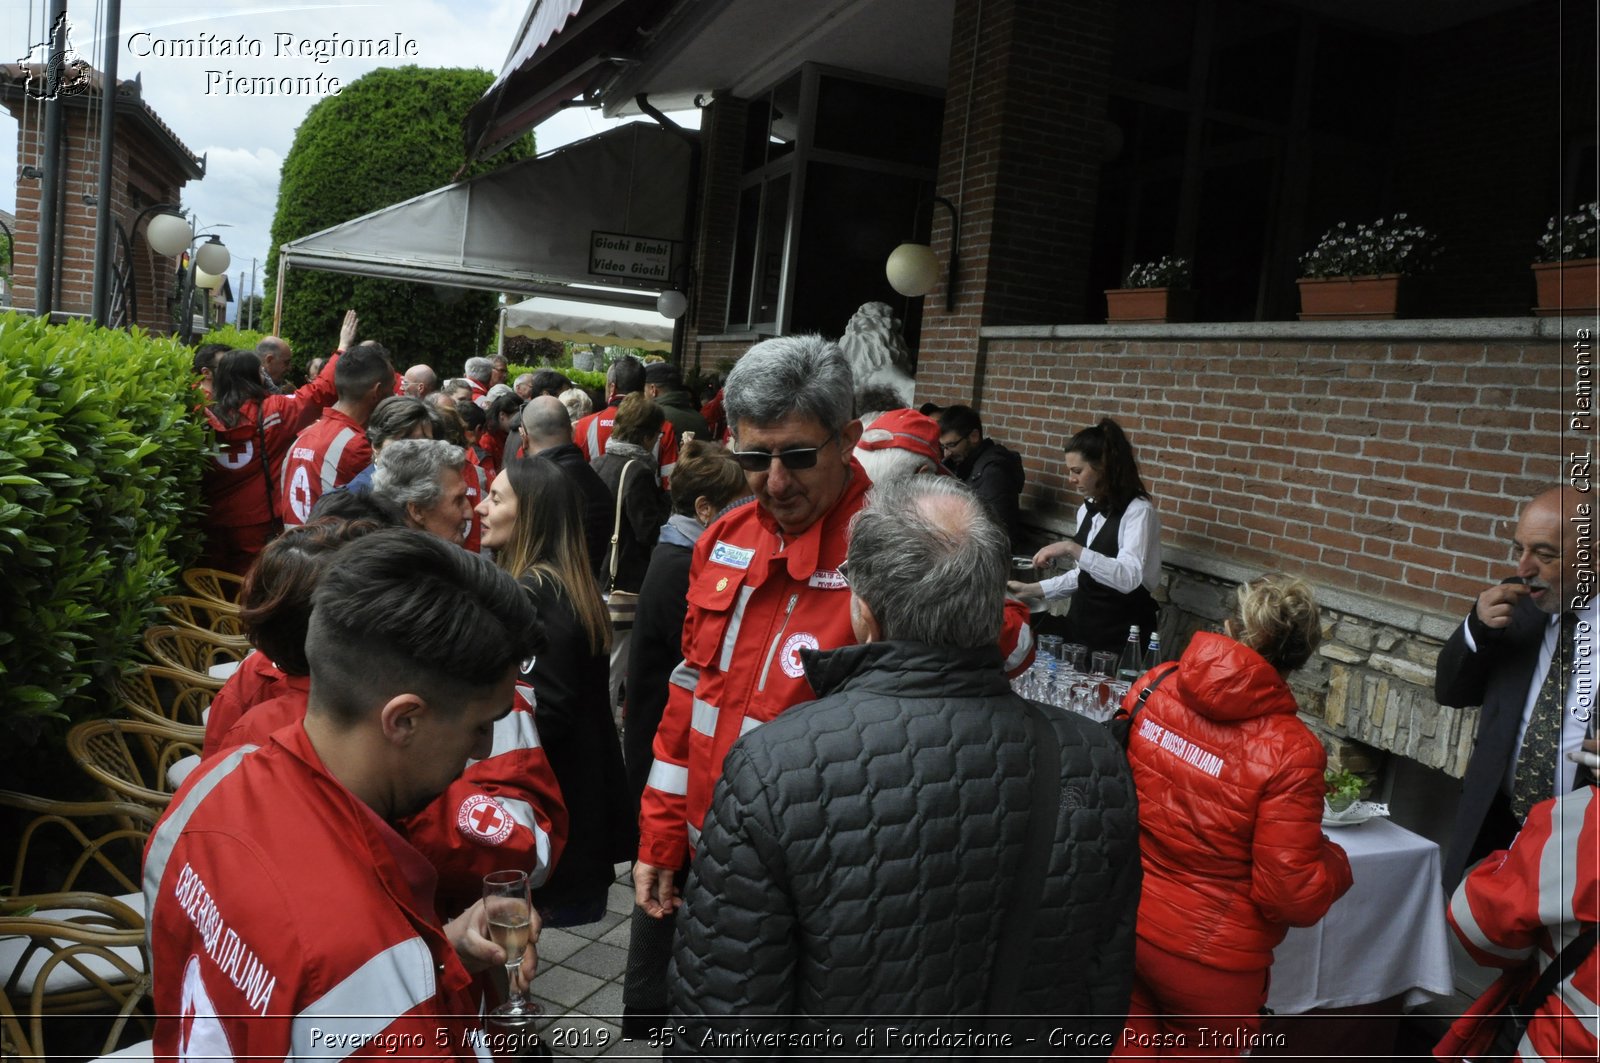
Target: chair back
215 584
164 695
193 651
103 840
213 617
130 758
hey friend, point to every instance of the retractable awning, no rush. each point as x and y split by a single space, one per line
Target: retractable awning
607 210
543 318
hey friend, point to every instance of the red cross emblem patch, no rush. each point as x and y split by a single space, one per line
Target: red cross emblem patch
481 819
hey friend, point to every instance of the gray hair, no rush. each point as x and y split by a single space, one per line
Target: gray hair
892 463
479 369
577 402
807 375
409 471
931 563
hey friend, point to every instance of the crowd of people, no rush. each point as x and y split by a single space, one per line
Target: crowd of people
501 626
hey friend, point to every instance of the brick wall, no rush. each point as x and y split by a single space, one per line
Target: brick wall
1023 169
141 175
1387 468
1384 466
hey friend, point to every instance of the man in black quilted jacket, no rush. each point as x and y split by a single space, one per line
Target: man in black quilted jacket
907 864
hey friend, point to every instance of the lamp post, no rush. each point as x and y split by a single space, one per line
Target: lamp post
170 233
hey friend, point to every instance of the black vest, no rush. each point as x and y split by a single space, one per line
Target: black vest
1100 616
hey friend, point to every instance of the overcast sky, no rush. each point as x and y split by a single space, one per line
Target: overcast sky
245 138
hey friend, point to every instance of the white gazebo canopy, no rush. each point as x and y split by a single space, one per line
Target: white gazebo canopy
571 321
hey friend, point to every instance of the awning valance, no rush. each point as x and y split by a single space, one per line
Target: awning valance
543 318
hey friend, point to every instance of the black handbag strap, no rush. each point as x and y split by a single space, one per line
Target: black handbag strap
1122 729
266 473
1027 889
1567 960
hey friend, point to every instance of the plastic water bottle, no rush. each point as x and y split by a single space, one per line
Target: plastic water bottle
1128 667
1152 654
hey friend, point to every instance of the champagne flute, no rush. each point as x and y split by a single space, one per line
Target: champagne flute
508 905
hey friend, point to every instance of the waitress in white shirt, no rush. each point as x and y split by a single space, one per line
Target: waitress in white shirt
1117 547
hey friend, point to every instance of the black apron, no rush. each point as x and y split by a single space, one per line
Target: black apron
1100 616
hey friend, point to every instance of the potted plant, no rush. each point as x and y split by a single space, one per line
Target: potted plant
1355 274
1565 273
1343 788
1155 291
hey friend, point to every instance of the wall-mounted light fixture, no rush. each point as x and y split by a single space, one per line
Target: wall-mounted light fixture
671 304
913 269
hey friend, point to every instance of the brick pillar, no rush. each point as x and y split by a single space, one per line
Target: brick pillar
1020 157
721 166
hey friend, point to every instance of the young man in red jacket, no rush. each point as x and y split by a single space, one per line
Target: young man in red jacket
590 433
332 451
313 930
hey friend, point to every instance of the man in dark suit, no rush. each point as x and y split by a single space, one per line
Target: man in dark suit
1528 730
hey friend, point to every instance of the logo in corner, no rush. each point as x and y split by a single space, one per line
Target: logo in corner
481 819
789 656
61 71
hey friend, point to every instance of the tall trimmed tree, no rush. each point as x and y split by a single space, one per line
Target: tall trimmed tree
390 135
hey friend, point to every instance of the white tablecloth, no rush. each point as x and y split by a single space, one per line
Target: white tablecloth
1386 937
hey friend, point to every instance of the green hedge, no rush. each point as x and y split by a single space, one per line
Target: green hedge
236 338
100 461
580 377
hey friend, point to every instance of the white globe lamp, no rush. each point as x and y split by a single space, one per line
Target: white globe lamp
168 235
212 256
671 304
913 269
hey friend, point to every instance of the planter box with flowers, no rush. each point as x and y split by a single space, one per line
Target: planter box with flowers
1357 274
1566 275
1156 291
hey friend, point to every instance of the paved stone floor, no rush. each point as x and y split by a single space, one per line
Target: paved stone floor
580 983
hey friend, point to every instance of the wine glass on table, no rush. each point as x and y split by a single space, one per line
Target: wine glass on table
508 904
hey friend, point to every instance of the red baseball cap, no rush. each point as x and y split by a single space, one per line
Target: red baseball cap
906 430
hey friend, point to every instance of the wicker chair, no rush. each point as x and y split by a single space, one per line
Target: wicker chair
104 841
130 758
164 695
69 954
212 617
193 651
215 584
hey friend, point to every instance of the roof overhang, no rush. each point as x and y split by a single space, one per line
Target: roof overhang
677 51
528 227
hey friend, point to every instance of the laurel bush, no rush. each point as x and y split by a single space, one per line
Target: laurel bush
100 459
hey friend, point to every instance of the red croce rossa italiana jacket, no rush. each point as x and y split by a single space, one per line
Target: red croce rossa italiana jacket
324 456
235 480
308 932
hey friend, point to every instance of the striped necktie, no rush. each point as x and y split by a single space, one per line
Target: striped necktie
1541 743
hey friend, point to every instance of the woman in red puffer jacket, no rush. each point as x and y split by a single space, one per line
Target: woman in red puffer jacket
1230 816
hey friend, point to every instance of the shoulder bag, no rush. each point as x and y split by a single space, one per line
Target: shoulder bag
622 605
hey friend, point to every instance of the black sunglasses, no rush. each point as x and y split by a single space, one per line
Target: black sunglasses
797 458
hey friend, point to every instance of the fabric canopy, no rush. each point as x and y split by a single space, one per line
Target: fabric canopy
529 227
542 318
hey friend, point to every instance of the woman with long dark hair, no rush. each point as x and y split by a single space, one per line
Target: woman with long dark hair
253 430
1116 550
530 520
